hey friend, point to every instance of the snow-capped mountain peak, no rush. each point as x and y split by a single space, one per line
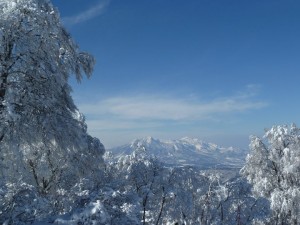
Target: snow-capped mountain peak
186 151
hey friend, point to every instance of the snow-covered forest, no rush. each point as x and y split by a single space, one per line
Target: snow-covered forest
53 172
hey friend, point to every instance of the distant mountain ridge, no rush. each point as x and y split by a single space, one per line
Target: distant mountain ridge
186 152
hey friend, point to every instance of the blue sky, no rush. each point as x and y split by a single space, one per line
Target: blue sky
212 69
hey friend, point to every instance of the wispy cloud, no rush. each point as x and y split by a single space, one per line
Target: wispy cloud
147 114
88 14
157 108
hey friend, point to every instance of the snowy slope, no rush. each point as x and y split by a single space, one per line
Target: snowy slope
186 151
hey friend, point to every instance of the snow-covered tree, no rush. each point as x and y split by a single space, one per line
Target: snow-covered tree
273 168
166 194
143 177
236 204
43 137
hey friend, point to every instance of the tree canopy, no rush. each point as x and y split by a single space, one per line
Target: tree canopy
273 168
43 137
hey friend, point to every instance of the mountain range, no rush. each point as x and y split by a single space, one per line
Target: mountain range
186 152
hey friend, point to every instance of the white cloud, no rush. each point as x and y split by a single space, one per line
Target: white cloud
102 124
119 119
90 13
156 108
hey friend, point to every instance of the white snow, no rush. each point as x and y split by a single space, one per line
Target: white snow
186 151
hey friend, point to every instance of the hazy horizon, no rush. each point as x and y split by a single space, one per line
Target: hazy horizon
216 70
